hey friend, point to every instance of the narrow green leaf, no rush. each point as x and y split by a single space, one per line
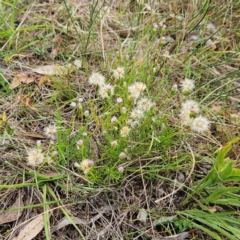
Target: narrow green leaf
220 192
206 230
46 216
232 202
223 151
65 212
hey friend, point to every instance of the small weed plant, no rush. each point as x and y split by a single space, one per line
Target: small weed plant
118 126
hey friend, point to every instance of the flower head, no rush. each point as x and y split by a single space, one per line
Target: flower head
200 124
190 106
124 109
80 142
166 54
175 86
137 114
39 145
125 131
133 123
118 73
73 104
144 104
119 100
76 165
35 157
105 90
85 165
96 79
120 168
90 163
155 26
114 143
86 113
235 118
185 118
187 85
55 153
51 132
136 89
49 160
113 119
122 155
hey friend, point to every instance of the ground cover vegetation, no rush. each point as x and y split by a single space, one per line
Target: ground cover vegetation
119 119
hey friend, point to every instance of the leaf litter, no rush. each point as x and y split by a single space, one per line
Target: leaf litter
32 229
12 215
54 69
19 79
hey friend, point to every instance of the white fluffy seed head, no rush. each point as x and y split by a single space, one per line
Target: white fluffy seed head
105 90
136 114
235 118
125 131
144 104
114 143
185 118
187 85
96 79
136 89
133 123
190 106
118 72
51 132
200 124
35 157
85 165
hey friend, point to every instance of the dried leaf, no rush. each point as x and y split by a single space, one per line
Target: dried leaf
12 215
54 52
57 41
163 219
64 222
53 69
212 209
180 236
18 55
28 102
34 135
32 229
142 215
51 174
20 78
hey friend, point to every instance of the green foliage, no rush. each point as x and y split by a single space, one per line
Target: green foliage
222 172
217 225
213 189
